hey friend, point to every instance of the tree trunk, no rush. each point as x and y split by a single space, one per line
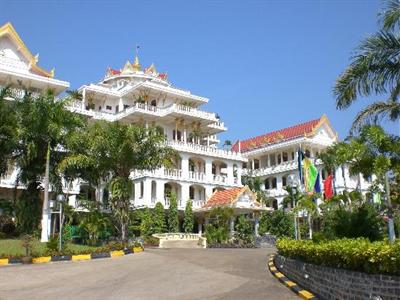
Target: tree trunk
392 235
45 209
310 225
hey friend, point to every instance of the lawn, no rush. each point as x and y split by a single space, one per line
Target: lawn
13 247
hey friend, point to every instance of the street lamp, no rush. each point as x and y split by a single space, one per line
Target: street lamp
60 200
293 185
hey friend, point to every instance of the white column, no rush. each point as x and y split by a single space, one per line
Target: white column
229 171
200 227
209 175
239 173
231 227
278 182
208 191
160 191
256 224
184 193
120 105
185 165
184 134
147 192
137 192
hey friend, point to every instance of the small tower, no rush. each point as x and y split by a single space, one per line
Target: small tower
136 65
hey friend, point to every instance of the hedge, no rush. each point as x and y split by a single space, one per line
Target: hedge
352 254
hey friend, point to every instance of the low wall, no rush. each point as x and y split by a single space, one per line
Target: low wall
201 241
331 283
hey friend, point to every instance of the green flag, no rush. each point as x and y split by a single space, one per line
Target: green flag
310 175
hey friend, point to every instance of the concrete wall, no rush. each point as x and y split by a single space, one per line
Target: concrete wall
331 283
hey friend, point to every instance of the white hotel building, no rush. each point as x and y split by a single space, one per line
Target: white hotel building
145 96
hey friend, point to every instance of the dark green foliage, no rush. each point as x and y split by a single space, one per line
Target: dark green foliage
28 209
362 221
147 223
217 231
160 225
244 230
278 223
173 216
188 221
7 226
353 254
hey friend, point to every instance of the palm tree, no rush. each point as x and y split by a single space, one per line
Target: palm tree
375 69
8 130
109 152
44 125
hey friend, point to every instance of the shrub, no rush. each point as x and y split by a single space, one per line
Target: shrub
160 225
244 230
173 215
353 254
151 241
188 221
278 223
7 226
147 223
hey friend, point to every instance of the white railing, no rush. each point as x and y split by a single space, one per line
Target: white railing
219 178
187 110
198 203
197 175
166 202
173 173
207 150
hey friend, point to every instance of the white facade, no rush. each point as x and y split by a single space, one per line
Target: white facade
274 158
146 97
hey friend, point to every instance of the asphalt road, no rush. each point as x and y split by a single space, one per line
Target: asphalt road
153 274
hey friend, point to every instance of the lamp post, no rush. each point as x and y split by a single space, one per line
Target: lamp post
293 186
60 200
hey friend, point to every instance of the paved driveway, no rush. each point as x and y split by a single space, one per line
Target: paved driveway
153 274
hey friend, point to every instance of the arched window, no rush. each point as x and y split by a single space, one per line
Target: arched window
285 156
273 183
176 135
279 159
284 181
267 184
141 189
191 193
153 102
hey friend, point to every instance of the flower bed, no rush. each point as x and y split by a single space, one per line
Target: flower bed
352 254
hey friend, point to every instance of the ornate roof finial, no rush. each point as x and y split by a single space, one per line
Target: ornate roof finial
136 65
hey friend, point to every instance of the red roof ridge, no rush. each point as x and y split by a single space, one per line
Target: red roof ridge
278 135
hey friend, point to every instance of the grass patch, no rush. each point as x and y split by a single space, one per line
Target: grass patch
13 248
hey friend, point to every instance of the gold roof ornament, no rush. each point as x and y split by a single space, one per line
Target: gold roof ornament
9 30
127 68
152 69
136 65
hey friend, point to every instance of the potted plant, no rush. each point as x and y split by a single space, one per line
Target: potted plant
27 243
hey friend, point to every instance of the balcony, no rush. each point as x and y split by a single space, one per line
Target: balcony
198 203
205 150
219 178
198 176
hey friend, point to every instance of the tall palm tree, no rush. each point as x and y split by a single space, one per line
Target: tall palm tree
374 70
110 152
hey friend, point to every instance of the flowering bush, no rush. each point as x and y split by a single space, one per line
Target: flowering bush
353 254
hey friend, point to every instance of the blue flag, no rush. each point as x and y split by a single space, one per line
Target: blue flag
317 186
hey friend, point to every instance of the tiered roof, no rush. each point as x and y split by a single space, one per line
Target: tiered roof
135 67
304 129
230 197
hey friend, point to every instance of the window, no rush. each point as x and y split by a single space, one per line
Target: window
272 160
191 193
284 181
244 165
273 183
279 159
99 108
108 107
116 108
126 106
153 103
256 164
141 189
285 156
176 135
267 184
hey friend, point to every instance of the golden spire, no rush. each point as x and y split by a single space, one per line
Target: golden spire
127 68
136 65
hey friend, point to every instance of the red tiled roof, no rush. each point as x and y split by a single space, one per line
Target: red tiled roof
223 197
276 136
114 72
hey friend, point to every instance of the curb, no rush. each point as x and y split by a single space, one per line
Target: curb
73 258
302 293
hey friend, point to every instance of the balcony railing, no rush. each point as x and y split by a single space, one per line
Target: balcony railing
206 150
197 175
220 178
198 203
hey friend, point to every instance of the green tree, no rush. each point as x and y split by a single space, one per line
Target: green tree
8 130
44 126
173 214
244 230
160 225
147 223
374 70
277 222
308 205
218 230
188 221
255 184
110 152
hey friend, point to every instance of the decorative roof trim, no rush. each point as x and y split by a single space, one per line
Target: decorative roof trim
9 30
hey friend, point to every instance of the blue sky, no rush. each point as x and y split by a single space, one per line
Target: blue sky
264 65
